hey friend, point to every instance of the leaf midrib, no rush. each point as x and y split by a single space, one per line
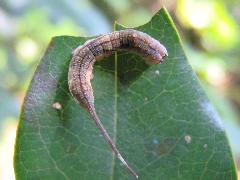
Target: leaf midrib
115 112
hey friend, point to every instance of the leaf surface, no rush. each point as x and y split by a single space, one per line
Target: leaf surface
159 117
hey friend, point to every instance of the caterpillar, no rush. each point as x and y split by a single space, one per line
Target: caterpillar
84 57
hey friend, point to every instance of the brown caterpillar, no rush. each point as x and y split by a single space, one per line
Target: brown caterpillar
84 57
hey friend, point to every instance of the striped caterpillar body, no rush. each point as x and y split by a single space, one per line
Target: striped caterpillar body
84 57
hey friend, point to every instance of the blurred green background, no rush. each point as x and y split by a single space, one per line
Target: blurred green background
210 31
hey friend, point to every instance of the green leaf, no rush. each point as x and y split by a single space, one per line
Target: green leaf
159 117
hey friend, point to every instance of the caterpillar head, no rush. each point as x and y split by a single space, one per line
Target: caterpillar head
157 52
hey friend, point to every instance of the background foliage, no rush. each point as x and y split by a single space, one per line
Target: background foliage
211 42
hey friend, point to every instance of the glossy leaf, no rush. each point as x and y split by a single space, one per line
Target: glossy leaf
159 117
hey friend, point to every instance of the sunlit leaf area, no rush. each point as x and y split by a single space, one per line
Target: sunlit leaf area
209 30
